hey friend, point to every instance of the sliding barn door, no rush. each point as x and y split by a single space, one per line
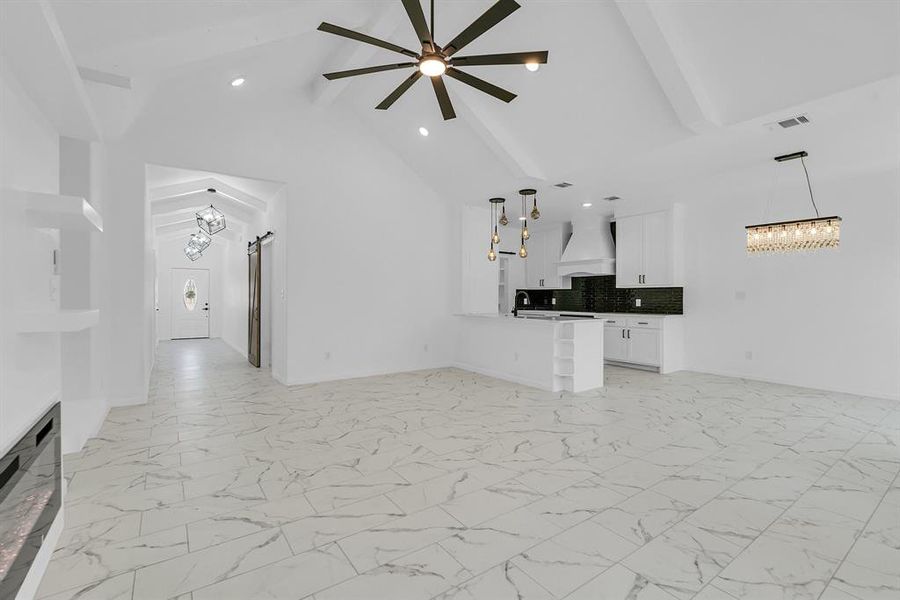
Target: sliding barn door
255 287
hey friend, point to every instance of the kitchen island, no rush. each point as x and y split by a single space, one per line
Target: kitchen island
556 354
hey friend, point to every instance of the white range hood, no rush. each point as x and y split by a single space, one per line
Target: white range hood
590 250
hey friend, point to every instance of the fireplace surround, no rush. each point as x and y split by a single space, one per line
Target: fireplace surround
30 498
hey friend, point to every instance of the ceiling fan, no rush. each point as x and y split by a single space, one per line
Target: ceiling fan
435 61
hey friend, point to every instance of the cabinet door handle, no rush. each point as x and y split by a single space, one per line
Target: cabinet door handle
629 334
643 323
623 334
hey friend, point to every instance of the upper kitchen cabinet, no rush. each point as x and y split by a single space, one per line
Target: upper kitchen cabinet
649 249
545 248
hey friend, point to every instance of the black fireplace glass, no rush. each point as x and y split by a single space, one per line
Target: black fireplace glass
30 498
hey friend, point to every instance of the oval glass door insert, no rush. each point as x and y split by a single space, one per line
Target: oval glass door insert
190 294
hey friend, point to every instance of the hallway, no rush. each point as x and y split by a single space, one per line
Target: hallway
229 485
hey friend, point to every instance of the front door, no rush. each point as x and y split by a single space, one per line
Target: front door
190 303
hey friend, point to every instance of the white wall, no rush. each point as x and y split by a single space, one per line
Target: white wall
364 291
828 319
29 364
84 405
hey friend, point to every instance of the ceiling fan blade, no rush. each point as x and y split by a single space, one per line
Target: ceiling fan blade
407 83
481 84
366 39
443 98
513 58
417 18
492 16
367 70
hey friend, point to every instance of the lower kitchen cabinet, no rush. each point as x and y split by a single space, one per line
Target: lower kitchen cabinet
615 346
654 342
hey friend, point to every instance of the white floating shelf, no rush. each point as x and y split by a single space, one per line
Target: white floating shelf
61 212
56 321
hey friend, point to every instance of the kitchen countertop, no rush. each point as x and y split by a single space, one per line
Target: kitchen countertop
538 311
538 317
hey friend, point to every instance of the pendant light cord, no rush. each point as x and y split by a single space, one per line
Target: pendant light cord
432 23
809 185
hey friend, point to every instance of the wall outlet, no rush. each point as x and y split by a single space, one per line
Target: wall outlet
748 354
516 356
553 301
328 356
740 295
637 302
425 347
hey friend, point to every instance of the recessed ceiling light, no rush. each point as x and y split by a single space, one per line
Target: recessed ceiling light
423 132
532 66
586 205
237 82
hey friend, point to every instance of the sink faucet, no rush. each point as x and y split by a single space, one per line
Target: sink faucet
525 302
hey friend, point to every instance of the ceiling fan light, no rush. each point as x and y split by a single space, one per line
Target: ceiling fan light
432 66
532 66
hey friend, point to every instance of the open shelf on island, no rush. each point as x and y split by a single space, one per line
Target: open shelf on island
56 321
53 211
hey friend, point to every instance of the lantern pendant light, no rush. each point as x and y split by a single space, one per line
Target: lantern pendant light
798 235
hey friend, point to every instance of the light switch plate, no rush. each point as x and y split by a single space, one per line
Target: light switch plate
637 302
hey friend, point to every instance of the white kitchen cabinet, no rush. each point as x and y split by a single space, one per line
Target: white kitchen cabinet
545 248
644 341
534 264
649 249
615 346
643 346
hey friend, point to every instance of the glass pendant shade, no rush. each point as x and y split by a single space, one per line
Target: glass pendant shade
200 241
503 220
192 252
492 256
788 236
523 251
535 213
495 239
211 220
525 234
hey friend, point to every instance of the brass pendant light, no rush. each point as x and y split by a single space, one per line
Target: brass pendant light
495 235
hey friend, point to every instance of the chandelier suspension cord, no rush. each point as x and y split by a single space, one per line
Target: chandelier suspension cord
768 210
809 185
432 22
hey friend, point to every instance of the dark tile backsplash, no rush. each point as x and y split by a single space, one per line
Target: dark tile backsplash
600 294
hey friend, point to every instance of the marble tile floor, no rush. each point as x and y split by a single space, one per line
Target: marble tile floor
446 484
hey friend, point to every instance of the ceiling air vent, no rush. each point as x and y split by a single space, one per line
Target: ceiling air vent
563 184
612 198
793 121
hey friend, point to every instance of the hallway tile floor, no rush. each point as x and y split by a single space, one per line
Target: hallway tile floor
446 484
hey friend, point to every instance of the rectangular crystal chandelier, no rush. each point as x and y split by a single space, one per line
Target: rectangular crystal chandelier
789 236
798 235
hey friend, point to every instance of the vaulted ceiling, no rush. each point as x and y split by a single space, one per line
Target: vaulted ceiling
684 89
176 195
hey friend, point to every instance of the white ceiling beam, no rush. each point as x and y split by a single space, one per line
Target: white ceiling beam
674 72
34 47
193 202
499 139
201 185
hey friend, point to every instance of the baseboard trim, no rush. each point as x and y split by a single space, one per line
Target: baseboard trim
495 375
363 375
725 373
